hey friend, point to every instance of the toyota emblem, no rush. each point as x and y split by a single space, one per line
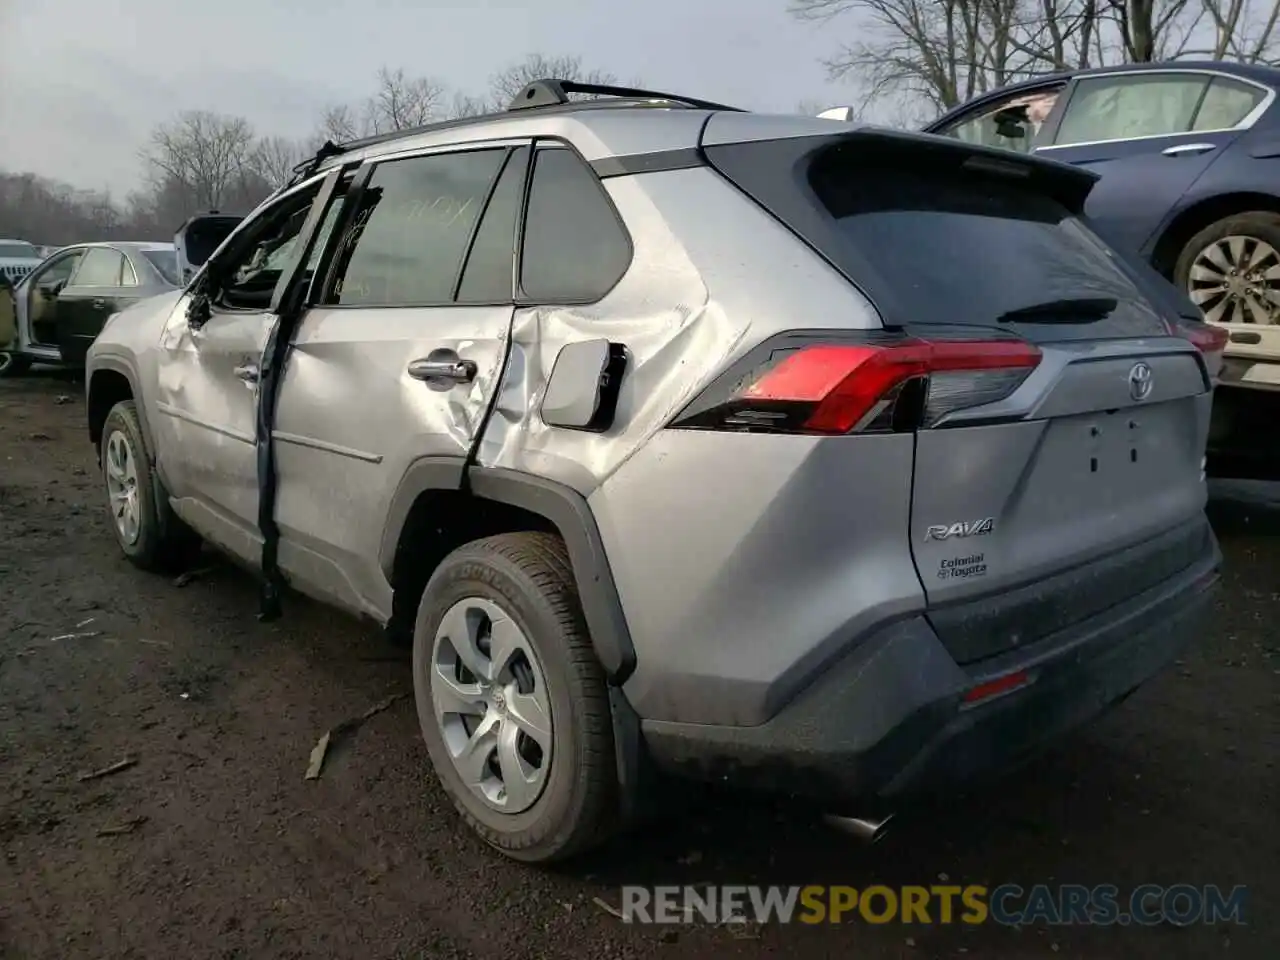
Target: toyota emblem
1140 379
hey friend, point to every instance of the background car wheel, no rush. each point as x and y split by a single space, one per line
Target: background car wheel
1231 269
512 701
13 364
149 533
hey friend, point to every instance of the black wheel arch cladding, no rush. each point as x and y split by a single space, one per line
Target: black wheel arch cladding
566 510
569 511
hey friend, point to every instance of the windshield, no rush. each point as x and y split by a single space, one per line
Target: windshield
18 251
166 262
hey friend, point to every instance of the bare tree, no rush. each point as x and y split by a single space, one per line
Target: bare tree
273 158
942 52
206 153
399 102
506 83
343 123
403 102
1244 30
938 51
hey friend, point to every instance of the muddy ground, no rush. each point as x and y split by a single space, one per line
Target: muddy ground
215 846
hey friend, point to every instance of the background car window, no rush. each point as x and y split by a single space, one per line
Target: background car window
127 277
490 265
1227 103
59 271
1013 125
1121 108
411 233
574 248
100 268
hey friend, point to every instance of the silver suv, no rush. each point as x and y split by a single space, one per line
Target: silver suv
798 454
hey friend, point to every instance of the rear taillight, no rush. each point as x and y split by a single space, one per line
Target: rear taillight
836 388
1208 338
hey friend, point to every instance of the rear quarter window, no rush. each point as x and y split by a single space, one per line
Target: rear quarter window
575 248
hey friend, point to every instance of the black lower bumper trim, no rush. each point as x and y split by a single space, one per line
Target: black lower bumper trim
889 720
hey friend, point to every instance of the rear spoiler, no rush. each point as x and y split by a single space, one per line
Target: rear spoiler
1069 185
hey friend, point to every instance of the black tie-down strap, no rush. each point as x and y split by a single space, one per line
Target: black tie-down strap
287 307
269 376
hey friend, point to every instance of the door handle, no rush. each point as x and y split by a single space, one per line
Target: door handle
99 303
248 372
450 369
1182 148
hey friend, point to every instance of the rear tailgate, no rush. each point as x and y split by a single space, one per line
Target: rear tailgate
1082 487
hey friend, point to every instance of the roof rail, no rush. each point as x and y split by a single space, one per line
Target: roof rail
555 93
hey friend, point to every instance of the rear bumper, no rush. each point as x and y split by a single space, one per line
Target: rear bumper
889 720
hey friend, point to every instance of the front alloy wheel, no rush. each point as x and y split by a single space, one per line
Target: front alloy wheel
120 467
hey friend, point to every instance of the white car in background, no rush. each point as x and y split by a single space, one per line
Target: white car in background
17 259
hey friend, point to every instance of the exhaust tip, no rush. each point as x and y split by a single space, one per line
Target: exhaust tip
869 830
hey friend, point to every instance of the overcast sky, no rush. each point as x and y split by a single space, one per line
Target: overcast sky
83 81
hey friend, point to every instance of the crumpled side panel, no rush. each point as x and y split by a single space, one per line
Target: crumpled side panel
676 336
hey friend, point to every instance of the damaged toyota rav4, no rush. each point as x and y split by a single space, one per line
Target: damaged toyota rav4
678 439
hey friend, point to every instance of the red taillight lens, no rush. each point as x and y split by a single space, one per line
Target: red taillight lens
993 688
837 388
1207 337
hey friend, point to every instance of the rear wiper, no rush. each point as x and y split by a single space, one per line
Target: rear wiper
1065 310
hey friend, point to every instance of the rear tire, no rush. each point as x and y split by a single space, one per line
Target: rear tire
1222 268
148 532
13 364
536 793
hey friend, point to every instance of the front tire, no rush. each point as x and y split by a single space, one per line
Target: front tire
1224 269
512 701
149 534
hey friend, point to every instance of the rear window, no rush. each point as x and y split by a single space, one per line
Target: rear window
932 241
973 248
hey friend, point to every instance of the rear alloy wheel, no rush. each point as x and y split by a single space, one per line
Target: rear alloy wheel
13 364
1231 270
491 702
512 701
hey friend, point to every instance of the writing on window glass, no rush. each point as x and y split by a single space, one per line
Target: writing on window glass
415 221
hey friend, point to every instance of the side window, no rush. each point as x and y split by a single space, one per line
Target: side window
127 277
1227 103
575 248
1122 108
490 268
247 276
1013 125
407 241
59 271
100 268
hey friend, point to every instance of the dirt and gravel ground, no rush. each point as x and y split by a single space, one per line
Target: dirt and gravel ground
215 846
